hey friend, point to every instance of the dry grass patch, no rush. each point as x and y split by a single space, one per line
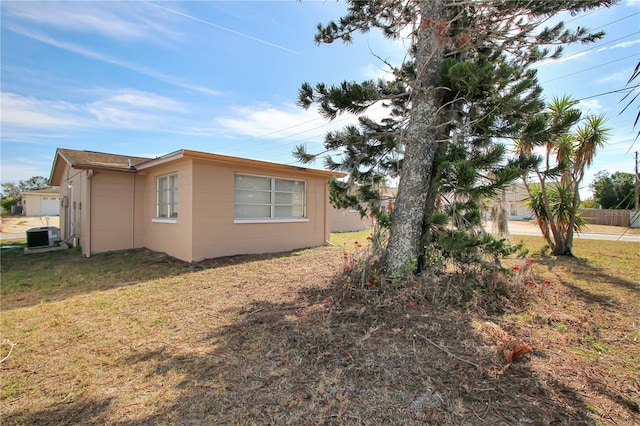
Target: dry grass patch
271 339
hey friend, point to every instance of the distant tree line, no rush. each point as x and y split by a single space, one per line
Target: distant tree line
613 191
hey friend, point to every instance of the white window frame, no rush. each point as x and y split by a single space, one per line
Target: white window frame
513 209
171 205
272 204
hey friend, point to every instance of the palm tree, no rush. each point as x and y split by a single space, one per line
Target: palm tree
589 137
555 197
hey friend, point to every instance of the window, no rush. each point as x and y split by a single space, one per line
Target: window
168 197
513 209
267 198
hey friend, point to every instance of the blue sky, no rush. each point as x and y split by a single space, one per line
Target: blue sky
148 78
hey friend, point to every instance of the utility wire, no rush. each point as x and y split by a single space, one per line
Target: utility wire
582 15
617 20
547 81
345 118
624 89
564 58
590 68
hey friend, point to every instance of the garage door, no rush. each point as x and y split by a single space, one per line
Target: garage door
49 206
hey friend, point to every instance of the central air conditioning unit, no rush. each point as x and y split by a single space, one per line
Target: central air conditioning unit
45 236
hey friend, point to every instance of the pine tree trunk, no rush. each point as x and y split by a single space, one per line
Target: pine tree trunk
429 210
421 144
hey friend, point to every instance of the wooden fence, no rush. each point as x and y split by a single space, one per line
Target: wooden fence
605 216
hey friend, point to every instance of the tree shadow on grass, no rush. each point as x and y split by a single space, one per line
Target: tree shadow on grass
316 360
85 411
583 271
28 280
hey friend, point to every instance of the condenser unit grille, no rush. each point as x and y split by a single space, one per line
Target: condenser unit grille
45 236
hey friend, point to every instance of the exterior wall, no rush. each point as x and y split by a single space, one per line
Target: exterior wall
112 210
41 204
171 237
344 220
516 196
521 211
214 232
64 206
73 191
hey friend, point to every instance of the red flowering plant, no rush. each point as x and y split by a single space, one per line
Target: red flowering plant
524 272
362 261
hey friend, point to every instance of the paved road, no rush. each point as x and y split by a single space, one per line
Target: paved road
525 228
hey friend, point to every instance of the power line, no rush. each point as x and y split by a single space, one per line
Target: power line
590 68
594 47
617 20
582 15
327 124
557 78
624 89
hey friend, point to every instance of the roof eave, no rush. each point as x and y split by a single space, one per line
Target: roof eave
183 153
52 175
176 155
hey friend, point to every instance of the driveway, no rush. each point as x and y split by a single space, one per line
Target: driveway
15 227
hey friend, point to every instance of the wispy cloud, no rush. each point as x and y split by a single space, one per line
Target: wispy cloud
562 59
286 124
583 54
80 50
220 27
126 21
151 101
14 171
632 3
134 109
30 119
590 106
29 112
621 45
621 76
267 121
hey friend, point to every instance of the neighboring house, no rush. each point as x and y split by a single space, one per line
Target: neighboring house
516 196
191 205
347 220
41 202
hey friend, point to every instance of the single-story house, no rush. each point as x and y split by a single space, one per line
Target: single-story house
191 205
41 202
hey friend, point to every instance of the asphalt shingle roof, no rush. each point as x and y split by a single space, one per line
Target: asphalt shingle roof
50 190
100 159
